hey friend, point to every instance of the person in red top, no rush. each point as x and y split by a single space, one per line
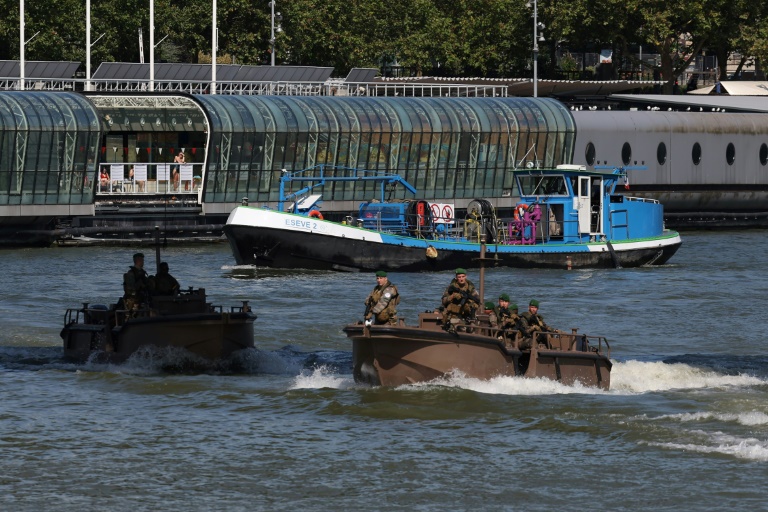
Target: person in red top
104 180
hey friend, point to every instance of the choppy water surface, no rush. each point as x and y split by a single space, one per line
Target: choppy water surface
685 425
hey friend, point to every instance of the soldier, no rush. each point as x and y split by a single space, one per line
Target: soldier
164 283
135 284
506 319
490 310
460 301
514 318
381 304
531 323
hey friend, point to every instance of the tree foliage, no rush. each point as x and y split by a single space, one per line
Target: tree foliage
490 38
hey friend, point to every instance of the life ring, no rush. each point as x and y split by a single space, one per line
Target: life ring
522 206
316 214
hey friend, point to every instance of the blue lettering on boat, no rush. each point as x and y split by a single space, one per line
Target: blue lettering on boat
299 223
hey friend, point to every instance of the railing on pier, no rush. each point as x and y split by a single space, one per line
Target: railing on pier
157 178
327 88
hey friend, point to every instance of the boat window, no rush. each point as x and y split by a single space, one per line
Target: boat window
590 154
661 153
696 154
730 153
626 153
542 186
764 153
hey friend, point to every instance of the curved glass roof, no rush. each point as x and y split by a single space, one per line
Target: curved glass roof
48 144
49 111
446 147
301 114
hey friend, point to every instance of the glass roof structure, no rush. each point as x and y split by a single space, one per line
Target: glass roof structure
445 147
48 146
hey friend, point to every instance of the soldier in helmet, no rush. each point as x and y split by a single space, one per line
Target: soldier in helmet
460 301
135 284
381 304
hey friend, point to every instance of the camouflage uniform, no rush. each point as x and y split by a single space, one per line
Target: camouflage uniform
507 318
531 325
136 287
382 304
493 319
452 301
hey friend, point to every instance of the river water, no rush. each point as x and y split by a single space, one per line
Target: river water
684 426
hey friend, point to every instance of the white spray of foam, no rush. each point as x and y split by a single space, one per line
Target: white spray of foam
750 419
506 385
726 444
321 377
643 377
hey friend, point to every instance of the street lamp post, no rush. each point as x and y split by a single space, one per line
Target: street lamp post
536 39
278 29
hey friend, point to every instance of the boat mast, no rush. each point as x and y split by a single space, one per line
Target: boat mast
157 249
482 270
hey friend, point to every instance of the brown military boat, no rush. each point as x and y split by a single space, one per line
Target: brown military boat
393 355
186 321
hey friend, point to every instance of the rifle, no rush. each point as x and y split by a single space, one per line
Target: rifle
464 295
368 306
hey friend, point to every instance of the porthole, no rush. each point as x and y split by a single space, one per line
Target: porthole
764 153
696 154
730 153
661 153
589 154
626 153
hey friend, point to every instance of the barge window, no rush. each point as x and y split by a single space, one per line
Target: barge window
626 153
542 186
661 153
590 154
696 154
730 153
764 153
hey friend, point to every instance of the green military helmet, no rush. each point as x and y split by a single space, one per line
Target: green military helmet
504 296
534 302
460 271
489 305
381 273
513 307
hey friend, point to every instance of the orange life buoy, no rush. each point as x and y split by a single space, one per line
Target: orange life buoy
316 214
522 206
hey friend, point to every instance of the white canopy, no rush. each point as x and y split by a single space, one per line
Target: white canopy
737 88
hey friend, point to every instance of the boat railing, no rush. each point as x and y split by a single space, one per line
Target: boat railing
244 308
573 342
504 230
640 199
88 314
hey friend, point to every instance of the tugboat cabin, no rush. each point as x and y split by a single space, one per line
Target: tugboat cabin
578 206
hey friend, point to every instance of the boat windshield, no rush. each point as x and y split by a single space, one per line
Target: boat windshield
542 186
